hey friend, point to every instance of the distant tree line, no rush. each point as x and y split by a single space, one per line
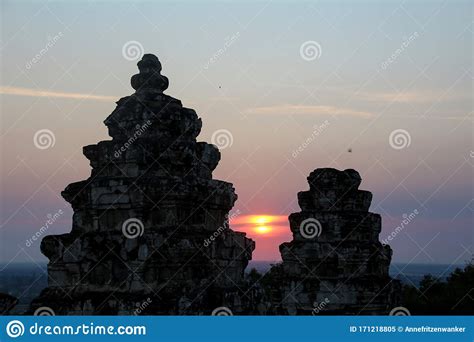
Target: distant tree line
433 296
454 296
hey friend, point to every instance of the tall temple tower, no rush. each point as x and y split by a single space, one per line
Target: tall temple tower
142 218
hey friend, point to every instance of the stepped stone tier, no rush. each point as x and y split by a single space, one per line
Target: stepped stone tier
335 263
140 222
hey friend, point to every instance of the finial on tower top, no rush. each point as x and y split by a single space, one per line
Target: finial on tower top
149 79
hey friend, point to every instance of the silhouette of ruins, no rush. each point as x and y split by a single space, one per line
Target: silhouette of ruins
137 244
335 263
141 218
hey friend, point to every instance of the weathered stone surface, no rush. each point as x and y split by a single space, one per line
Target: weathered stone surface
335 256
7 303
150 229
155 173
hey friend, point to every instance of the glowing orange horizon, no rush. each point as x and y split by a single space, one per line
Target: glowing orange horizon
263 224
258 219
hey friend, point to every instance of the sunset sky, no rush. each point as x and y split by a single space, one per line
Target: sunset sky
379 67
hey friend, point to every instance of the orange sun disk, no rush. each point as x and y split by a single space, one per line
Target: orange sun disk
260 224
263 229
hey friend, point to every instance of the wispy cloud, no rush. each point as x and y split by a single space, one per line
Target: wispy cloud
18 91
308 109
410 96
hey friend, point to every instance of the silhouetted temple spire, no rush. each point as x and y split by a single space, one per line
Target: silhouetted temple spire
142 218
335 263
149 79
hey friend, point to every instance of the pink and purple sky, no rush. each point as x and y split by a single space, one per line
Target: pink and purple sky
378 68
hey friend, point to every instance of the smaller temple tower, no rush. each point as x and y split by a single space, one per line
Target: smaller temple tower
335 263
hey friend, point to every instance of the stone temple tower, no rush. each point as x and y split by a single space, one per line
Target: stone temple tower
141 219
335 263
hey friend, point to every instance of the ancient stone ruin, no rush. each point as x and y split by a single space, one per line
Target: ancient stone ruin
140 220
7 303
150 229
335 263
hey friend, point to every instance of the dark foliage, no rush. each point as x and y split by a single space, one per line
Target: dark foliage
455 296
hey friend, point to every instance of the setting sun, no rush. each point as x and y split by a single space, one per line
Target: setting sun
263 229
260 224
261 219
